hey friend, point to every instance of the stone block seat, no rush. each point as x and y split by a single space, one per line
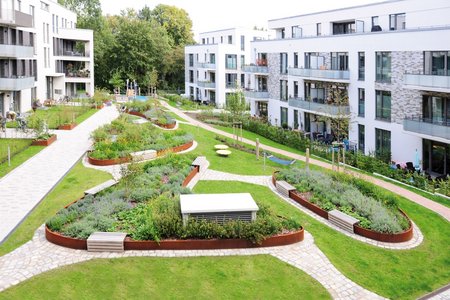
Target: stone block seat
144 155
100 187
283 187
342 220
106 241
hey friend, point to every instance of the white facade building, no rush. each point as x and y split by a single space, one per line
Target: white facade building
214 66
42 54
390 64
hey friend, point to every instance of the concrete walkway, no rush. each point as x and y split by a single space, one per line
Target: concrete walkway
23 188
434 206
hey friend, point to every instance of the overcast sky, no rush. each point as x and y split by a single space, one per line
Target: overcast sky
210 15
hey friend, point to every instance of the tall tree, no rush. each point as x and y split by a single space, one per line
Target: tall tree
89 12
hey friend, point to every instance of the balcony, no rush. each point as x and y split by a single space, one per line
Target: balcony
206 84
15 18
330 75
257 94
255 69
320 108
432 130
428 82
211 66
16 51
16 83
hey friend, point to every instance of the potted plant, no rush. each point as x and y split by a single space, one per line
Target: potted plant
40 130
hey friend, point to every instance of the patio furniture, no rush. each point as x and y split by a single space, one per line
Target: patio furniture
223 152
342 220
221 147
106 241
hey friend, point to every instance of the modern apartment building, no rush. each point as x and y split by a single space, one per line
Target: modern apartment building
214 65
385 65
42 54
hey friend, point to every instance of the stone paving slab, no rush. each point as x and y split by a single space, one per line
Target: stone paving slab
23 188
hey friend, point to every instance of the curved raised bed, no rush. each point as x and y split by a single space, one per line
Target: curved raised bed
121 160
46 142
67 126
165 126
191 175
277 240
377 236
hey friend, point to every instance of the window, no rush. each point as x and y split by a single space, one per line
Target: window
207 40
191 76
48 33
314 92
57 24
284 117
45 57
436 110
319 29
230 39
230 80
295 59
313 60
397 21
383 105
191 60
383 144
242 42
283 63
231 61
375 21
243 80
221 39
383 66
361 102
242 60
203 41
19 5
295 89
437 63
44 6
344 28
296 32
361 137
339 61
282 33
32 15
283 90
295 119
53 23
212 58
213 40
361 65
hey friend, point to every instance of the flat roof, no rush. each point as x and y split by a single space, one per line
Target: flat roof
209 203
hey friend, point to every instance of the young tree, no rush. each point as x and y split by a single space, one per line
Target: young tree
116 81
236 104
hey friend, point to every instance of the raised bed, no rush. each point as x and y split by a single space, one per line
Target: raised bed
139 114
378 236
191 175
67 126
46 142
277 240
122 160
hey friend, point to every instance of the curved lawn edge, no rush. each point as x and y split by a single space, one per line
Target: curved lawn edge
400 237
273 241
121 160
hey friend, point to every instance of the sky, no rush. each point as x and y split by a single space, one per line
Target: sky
208 15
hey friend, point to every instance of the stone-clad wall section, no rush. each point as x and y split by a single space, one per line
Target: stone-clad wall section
273 84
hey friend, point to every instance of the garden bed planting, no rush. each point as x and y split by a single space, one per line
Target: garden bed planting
44 142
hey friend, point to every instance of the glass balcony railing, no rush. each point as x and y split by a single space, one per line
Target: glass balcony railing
319 73
320 108
427 127
257 94
16 83
206 84
16 51
427 81
255 69
205 65
15 18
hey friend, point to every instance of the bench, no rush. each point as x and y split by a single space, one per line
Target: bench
283 187
100 187
201 162
106 241
144 155
342 220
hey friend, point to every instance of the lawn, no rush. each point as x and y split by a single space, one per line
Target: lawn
57 115
239 162
405 274
234 277
21 150
69 189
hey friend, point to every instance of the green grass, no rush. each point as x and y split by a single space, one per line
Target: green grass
56 115
69 189
19 159
249 277
404 274
239 162
15 145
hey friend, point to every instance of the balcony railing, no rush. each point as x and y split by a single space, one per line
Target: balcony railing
255 69
320 108
319 73
16 51
428 81
257 94
16 83
205 65
427 127
15 18
206 84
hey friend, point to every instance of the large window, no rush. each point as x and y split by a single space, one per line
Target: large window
283 63
383 144
296 32
361 137
344 28
283 90
231 61
295 59
318 29
437 63
242 42
191 60
375 21
314 60
295 89
314 92
361 102
361 65
212 58
230 39
339 61
383 66
284 117
397 21
436 110
230 80
383 105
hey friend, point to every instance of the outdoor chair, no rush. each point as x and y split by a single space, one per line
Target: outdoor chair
410 167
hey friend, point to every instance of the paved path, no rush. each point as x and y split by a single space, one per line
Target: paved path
39 255
23 188
434 206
